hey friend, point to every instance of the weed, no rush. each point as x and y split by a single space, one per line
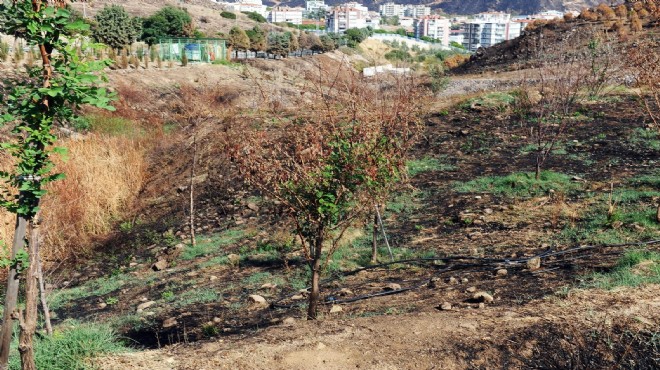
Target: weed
167 295
209 245
496 100
93 288
198 296
644 139
258 278
210 330
520 184
113 126
636 267
71 347
111 301
427 164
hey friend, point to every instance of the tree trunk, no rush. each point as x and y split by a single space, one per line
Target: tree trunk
193 240
657 214
28 321
12 293
374 241
316 277
538 167
42 291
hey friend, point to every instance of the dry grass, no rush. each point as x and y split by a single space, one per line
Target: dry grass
104 174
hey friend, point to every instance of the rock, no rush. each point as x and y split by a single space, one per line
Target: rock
320 346
488 211
170 322
297 297
269 286
433 283
477 197
257 299
289 321
483 297
132 264
102 305
233 258
471 289
213 277
534 263
345 292
482 305
336 309
392 286
217 320
143 306
464 280
159 266
501 272
445 306
253 207
452 281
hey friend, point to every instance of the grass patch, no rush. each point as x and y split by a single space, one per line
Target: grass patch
71 347
92 288
198 296
644 139
259 278
635 268
404 202
558 149
520 184
428 164
652 181
209 245
496 100
109 125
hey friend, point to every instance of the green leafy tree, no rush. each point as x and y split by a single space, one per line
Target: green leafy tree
293 42
257 38
328 43
255 17
279 44
115 27
167 22
238 40
32 104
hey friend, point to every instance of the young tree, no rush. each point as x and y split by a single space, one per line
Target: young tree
257 39
293 42
33 104
279 44
115 27
167 22
238 40
332 162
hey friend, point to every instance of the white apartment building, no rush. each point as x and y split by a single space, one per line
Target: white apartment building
488 29
247 6
546 15
416 11
433 26
286 14
391 10
350 15
315 5
406 22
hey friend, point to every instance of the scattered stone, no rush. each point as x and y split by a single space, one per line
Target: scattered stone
345 292
433 283
159 266
452 281
483 297
477 197
445 306
289 321
471 289
297 297
320 346
501 272
170 322
534 263
269 286
143 306
482 305
170 360
213 277
233 258
217 320
392 286
102 305
132 264
488 211
253 207
464 280
257 299
336 309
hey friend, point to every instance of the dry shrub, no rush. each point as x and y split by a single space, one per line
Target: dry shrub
103 176
455 61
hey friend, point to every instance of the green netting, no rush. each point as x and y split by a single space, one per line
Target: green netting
197 50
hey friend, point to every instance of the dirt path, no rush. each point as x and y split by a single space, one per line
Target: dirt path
431 339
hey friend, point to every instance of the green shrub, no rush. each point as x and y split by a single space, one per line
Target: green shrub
520 184
255 17
4 51
228 15
398 55
628 271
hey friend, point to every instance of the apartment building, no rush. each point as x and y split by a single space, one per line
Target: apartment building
286 14
488 29
416 11
433 26
345 16
247 6
391 10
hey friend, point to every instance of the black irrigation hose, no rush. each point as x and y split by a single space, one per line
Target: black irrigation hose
483 262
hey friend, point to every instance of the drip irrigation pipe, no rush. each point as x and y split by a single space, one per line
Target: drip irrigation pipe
482 262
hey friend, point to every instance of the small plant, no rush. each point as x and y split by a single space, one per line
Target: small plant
227 15
167 295
184 59
4 51
210 330
111 301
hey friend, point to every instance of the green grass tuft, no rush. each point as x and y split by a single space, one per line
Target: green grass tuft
92 288
71 347
624 274
213 244
427 164
520 184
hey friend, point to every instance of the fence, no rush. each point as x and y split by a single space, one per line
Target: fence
204 50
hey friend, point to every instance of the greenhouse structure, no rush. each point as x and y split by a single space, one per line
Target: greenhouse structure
206 50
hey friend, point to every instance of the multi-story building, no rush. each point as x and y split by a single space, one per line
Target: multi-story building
285 14
248 6
488 29
312 6
391 10
349 15
433 26
416 11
